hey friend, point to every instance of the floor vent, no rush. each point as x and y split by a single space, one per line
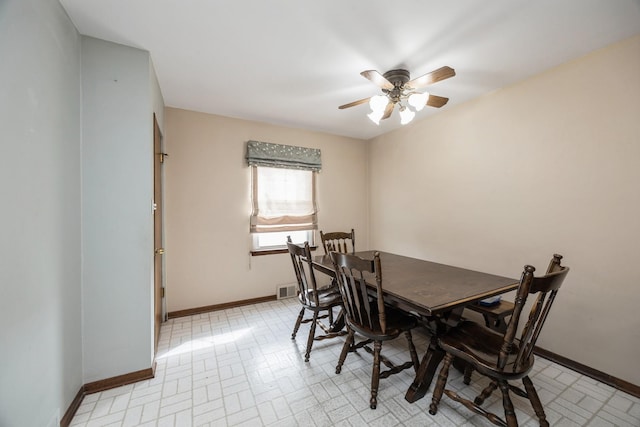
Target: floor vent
286 291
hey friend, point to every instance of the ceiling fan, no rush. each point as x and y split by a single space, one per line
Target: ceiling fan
397 89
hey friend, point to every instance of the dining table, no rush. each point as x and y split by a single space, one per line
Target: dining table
435 293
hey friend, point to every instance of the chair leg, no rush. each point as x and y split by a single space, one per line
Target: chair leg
535 401
440 384
345 349
412 351
468 370
297 325
375 374
312 335
509 411
485 393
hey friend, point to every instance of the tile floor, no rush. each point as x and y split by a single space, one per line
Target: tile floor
239 367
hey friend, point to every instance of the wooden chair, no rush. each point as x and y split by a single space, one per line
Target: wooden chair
338 241
312 299
503 358
369 317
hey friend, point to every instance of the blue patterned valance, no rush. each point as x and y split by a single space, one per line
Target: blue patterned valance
283 156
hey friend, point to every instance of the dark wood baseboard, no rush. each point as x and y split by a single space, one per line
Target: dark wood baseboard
71 411
102 385
208 308
120 380
614 382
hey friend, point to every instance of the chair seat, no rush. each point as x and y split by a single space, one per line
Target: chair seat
480 346
397 322
328 297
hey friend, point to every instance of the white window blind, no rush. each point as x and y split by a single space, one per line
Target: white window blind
283 200
283 187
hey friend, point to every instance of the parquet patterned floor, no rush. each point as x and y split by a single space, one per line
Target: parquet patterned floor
239 367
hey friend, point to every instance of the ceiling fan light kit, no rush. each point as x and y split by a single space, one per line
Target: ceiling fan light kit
378 103
376 116
399 89
406 115
418 100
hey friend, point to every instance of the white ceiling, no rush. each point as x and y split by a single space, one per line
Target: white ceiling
293 62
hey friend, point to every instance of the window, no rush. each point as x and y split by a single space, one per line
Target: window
277 239
283 193
283 205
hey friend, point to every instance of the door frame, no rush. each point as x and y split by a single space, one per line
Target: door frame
159 304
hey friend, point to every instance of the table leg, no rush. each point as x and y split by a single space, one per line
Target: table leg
426 372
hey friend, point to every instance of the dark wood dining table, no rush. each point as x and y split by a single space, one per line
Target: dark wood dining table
436 293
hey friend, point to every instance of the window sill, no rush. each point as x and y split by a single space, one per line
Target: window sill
273 251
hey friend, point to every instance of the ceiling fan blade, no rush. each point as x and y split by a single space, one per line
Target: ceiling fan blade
436 101
354 103
377 79
388 110
435 76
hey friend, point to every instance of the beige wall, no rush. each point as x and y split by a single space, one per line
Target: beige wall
207 205
548 165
